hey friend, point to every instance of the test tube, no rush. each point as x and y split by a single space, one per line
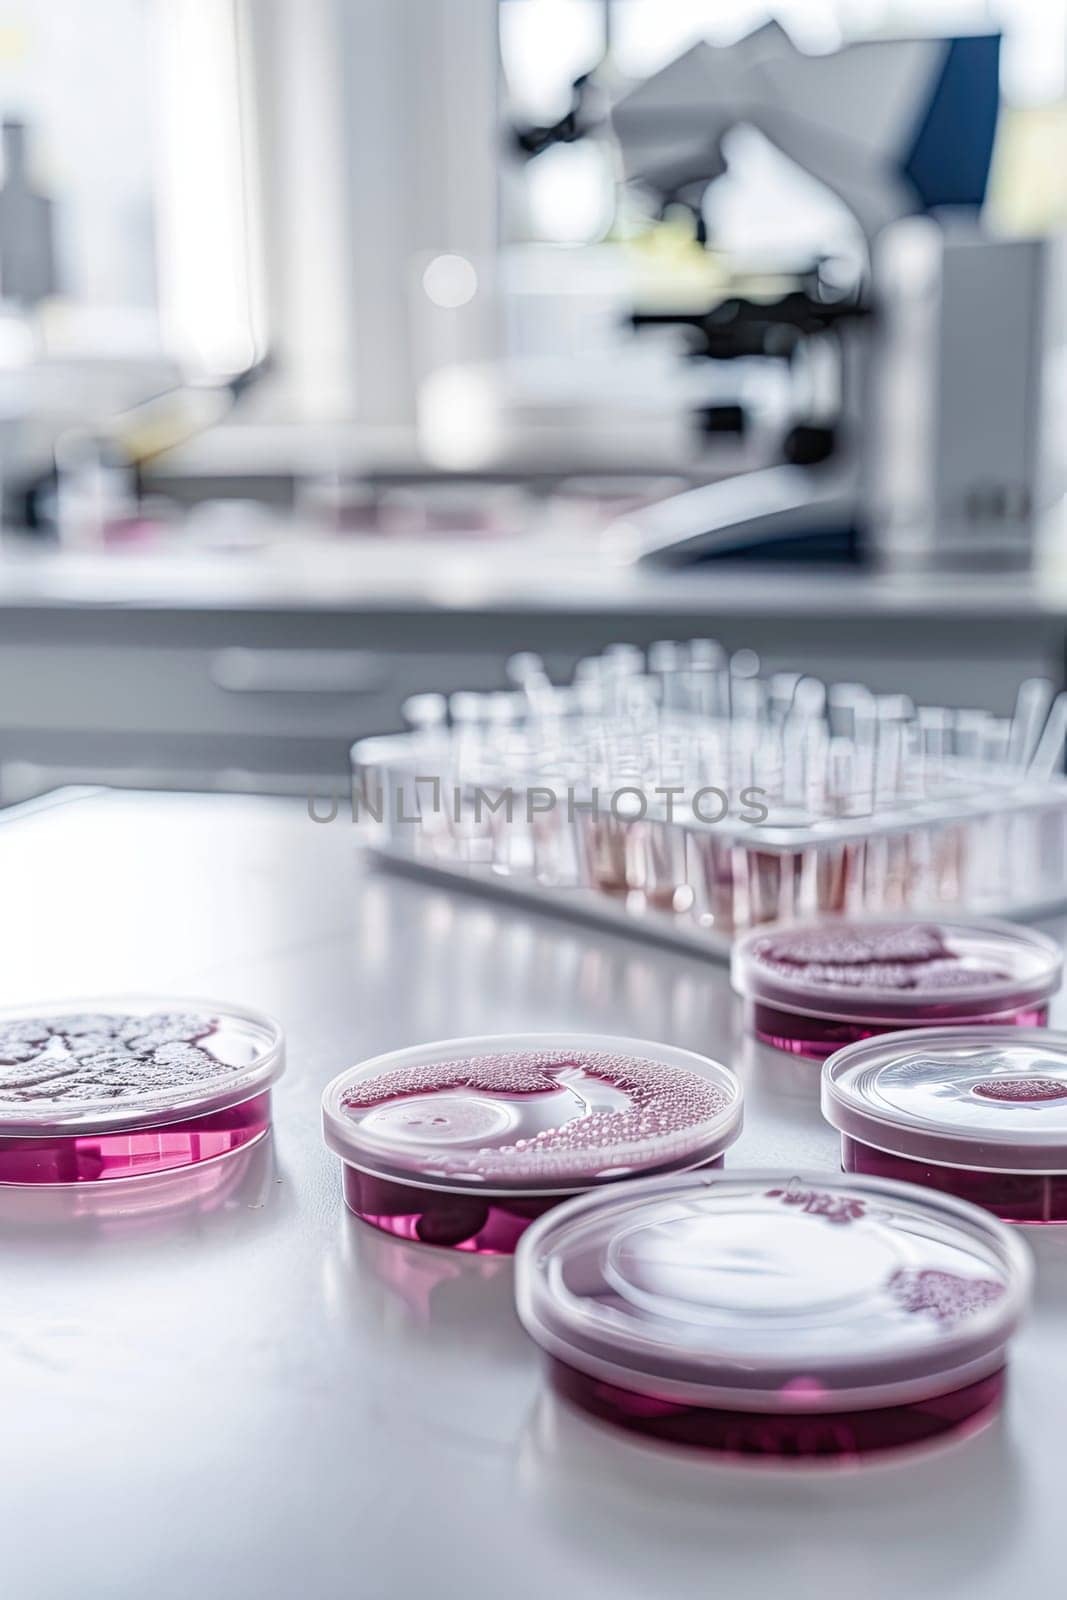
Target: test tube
524 666
746 690
933 742
427 717
1032 705
707 678
937 786
781 692
469 817
665 666
505 757
1047 758
425 713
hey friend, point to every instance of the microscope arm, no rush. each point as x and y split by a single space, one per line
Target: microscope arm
893 127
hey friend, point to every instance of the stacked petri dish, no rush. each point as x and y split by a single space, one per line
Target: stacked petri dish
812 988
112 1089
463 1143
980 1113
773 1315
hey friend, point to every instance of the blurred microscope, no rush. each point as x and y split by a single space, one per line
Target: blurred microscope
931 451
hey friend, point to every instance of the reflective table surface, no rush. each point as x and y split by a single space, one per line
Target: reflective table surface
227 1386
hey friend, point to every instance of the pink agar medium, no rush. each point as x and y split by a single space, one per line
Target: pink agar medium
120 1093
466 1149
812 989
1022 1197
774 1316
802 1435
980 1113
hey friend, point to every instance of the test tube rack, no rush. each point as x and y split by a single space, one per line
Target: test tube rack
683 796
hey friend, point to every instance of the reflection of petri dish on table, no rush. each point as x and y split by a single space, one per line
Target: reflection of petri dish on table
811 988
773 1315
464 1142
114 1089
152 1205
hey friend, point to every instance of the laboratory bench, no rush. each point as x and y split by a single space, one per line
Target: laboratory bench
255 669
243 1390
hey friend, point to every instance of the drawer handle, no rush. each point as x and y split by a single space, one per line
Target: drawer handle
242 671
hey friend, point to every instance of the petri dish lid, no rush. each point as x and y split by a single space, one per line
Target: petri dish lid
772 1291
880 969
538 1113
987 1099
117 1063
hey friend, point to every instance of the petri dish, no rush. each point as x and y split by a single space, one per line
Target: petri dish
812 988
775 1315
463 1142
109 1089
975 1112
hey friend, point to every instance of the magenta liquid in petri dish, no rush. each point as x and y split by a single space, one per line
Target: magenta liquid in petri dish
775 1316
112 1089
975 1112
465 1142
812 988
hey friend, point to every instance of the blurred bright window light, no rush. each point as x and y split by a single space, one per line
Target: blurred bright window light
570 193
459 417
544 46
209 293
1034 64
646 34
450 281
767 205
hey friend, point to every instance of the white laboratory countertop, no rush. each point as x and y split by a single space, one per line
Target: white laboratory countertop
251 1393
565 572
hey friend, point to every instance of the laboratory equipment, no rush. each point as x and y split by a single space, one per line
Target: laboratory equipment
775 1315
463 1142
113 1089
27 227
935 454
687 796
976 1112
812 989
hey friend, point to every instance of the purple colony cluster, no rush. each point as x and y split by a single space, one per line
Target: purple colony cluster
898 957
662 1102
812 990
103 1057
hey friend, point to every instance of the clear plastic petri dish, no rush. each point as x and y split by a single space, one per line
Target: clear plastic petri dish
462 1143
812 988
110 1089
774 1315
975 1112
